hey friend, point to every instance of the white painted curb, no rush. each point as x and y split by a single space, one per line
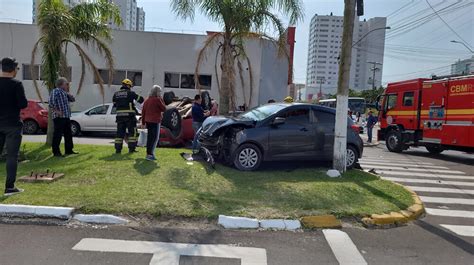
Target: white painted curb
238 222
280 224
35 211
99 219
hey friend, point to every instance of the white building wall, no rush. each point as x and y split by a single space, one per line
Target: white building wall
154 55
324 48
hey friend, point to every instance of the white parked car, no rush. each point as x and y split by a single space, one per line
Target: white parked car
100 118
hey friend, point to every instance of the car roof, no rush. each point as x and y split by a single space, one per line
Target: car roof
314 106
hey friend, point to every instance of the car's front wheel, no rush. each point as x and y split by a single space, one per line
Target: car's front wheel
247 157
352 156
30 127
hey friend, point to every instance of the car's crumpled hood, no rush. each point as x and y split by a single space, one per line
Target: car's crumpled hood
214 123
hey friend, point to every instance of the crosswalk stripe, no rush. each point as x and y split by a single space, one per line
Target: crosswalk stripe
395 160
418 169
423 175
442 200
343 248
442 190
462 230
431 181
450 213
374 164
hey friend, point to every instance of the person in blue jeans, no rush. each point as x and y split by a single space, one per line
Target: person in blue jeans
199 115
12 101
371 121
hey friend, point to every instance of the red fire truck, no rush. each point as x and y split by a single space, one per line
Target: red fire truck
437 113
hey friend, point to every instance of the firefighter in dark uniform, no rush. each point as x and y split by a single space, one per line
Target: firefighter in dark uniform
126 116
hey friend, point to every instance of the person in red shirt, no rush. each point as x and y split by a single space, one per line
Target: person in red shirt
152 113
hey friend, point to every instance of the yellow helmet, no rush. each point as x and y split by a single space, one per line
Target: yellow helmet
127 82
288 99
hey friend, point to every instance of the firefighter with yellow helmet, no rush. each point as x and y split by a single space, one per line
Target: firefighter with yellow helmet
124 102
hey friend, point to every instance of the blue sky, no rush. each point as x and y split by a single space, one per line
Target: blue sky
423 51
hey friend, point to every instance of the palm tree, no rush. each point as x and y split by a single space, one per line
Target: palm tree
240 20
62 26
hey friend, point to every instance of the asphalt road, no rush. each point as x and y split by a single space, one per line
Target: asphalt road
53 245
444 236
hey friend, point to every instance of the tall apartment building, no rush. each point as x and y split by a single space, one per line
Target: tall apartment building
325 40
140 19
67 2
133 17
463 67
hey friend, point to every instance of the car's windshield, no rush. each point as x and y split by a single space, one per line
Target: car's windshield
262 112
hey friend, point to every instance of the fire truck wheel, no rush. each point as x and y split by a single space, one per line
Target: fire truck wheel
434 149
394 141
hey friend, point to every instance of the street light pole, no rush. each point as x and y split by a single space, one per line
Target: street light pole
367 34
374 69
467 47
340 137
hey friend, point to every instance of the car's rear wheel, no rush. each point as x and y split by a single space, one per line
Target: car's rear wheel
172 121
75 128
247 157
352 156
30 127
168 97
394 141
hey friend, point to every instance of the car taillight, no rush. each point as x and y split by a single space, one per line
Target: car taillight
355 128
43 113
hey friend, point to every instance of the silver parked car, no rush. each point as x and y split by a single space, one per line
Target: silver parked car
100 118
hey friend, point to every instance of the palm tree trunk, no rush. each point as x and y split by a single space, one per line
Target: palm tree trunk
50 131
227 91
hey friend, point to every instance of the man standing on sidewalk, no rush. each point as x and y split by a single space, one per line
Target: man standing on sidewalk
371 121
12 100
59 104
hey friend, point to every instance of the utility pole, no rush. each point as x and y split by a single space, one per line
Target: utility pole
340 137
374 69
321 81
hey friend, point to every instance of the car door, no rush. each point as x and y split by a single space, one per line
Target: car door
295 137
324 123
111 124
95 118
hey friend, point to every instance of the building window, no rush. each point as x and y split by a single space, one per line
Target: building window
119 75
38 75
186 81
27 72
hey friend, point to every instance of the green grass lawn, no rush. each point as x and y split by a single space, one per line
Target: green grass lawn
98 181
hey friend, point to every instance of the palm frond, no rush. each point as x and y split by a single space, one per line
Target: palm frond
32 66
184 8
211 40
104 50
91 65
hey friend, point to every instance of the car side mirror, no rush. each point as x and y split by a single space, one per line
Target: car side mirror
278 121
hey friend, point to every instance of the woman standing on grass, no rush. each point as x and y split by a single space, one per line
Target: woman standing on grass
152 113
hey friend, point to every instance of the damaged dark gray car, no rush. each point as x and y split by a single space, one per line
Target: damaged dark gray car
277 132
